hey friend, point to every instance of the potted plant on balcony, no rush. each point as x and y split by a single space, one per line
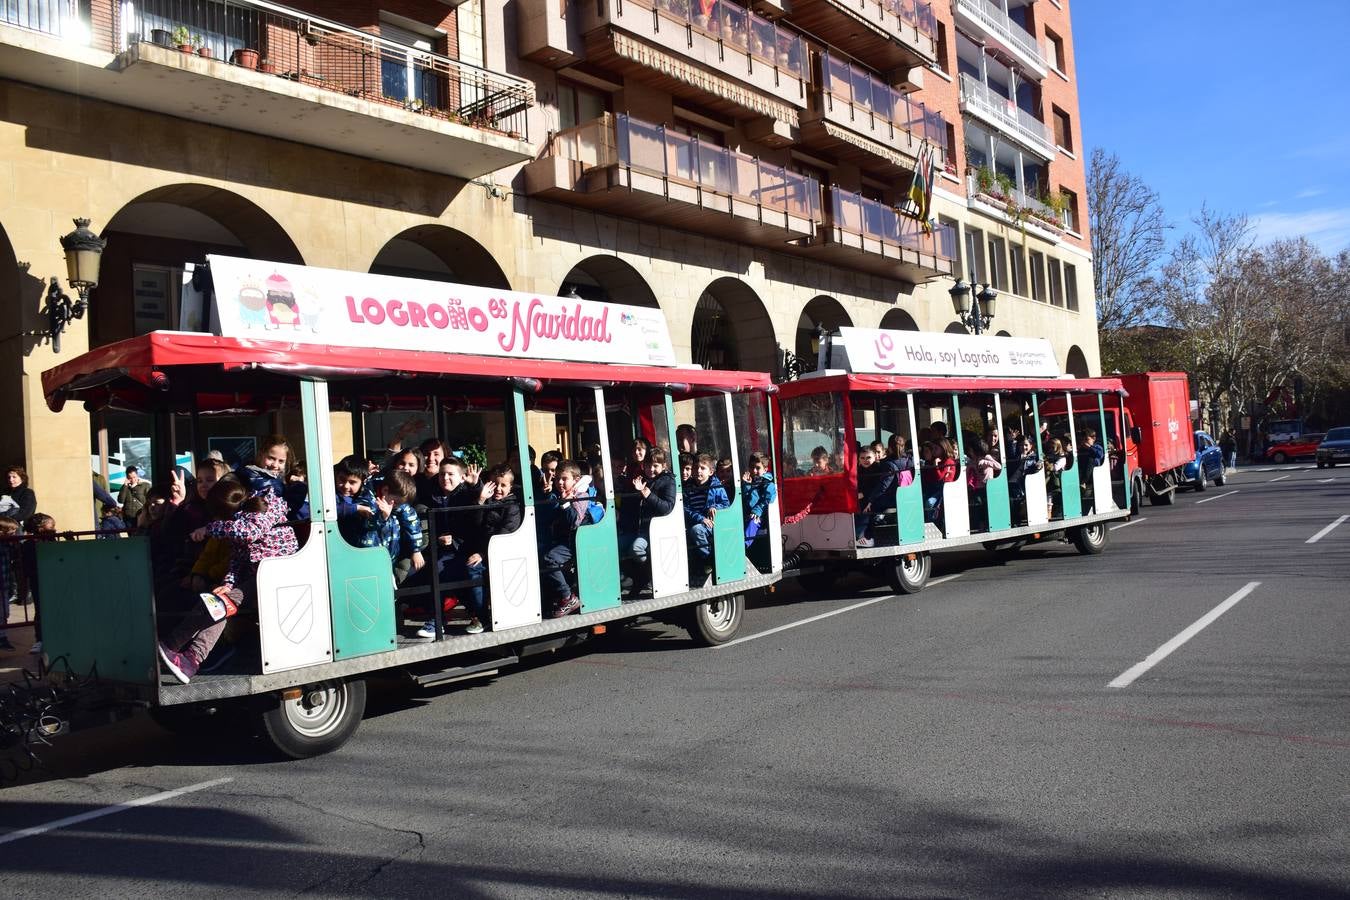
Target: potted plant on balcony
245 57
267 67
200 43
161 37
182 39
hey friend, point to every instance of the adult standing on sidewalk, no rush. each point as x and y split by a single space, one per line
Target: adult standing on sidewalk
1228 446
17 499
133 495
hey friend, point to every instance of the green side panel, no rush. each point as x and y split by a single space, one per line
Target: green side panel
98 607
523 445
729 539
598 563
996 502
361 588
956 427
909 509
1072 494
314 457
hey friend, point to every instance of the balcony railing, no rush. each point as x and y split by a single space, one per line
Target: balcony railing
855 213
325 54
871 99
1037 211
736 28
998 22
656 150
55 17
1007 115
918 13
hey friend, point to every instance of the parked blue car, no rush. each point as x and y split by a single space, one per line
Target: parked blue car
1207 465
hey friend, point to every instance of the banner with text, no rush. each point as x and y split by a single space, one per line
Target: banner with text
873 350
308 305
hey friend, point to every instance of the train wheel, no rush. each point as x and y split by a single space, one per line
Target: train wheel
909 573
716 621
1089 539
319 721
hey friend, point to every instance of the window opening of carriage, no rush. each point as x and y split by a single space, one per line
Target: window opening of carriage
813 435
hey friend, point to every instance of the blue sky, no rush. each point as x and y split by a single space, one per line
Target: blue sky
1239 105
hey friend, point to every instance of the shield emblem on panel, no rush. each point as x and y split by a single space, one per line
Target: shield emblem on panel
295 612
515 587
363 602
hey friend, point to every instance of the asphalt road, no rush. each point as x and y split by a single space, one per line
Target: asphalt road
965 742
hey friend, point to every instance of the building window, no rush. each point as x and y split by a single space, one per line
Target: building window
943 60
1071 286
975 270
1070 208
410 78
1056 283
998 264
578 103
1037 276
1063 129
1054 51
1019 271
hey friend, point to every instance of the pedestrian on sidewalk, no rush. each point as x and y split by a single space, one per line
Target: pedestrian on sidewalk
1228 446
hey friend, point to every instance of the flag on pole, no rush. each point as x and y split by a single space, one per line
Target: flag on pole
921 188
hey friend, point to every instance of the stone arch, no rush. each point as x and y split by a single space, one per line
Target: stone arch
608 279
435 252
898 320
1075 363
152 236
821 311
955 328
732 330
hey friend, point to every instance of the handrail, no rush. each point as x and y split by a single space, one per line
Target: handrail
734 26
852 212
44 16
1005 111
999 22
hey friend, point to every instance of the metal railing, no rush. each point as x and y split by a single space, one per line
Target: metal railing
58 18
855 213
289 43
997 21
735 27
869 97
917 13
656 150
1006 113
1040 211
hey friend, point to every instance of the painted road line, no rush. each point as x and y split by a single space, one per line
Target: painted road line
1325 531
1216 497
109 810
833 612
1129 675
1281 478
1326 480
1129 523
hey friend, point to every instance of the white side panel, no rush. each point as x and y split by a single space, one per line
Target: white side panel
668 553
294 615
828 531
513 569
775 536
1037 513
1102 498
955 511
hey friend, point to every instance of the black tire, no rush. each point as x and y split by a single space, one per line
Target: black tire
1167 498
716 621
1279 458
909 573
1137 497
1089 539
1222 478
1321 465
324 717
1199 483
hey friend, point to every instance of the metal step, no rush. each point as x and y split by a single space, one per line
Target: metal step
457 673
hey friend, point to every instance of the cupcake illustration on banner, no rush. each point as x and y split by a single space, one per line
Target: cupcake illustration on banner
282 307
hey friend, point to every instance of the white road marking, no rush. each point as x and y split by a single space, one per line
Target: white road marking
833 612
1325 531
1216 497
1281 478
1128 524
1157 656
109 810
1326 480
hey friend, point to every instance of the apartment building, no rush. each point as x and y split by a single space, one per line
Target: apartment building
743 166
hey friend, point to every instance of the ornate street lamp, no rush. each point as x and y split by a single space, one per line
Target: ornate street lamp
84 252
974 305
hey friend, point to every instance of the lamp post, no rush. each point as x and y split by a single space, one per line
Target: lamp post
84 251
974 304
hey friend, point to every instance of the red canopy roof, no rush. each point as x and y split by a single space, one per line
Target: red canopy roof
139 358
850 382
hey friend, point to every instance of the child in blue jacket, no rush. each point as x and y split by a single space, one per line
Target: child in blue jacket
703 497
760 491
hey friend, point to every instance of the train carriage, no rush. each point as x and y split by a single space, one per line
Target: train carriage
919 388
512 369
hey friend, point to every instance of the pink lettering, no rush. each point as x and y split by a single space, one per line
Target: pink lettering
396 313
351 311
417 315
439 317
373 311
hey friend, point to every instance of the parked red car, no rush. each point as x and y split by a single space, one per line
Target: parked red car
1304 446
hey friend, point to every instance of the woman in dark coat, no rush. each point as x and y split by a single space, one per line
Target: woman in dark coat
17 499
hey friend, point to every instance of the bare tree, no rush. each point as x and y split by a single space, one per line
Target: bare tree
1128 232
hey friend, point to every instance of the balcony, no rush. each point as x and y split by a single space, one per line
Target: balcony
626 167
712 52
984 191
885 34
1005 115
873 237
860 119
274 71
986 19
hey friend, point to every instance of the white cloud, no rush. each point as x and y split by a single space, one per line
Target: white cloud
1310 192
1329 229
